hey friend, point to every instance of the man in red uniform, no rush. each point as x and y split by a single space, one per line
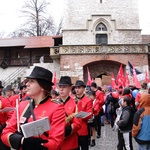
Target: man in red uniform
100 97
9 91
22 95
72 124
84 104
40 106
4 116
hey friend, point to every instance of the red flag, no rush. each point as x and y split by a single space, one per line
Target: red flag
89 81
54 81
127 82
146 77
113 84
120 77
135 79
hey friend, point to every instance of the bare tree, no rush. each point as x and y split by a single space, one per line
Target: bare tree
59 29
37 23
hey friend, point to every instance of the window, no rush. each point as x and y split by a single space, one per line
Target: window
101 33
101 27
100 1
101 39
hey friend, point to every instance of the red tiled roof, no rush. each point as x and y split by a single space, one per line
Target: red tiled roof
29 42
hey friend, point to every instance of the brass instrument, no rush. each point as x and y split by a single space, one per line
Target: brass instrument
71 116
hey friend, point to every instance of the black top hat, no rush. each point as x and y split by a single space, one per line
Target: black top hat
8 88
80 83
41 73
1 84
65 80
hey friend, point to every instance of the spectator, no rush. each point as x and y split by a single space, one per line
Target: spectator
125 123
141 123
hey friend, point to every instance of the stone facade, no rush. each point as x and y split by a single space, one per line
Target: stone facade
118 21
120 17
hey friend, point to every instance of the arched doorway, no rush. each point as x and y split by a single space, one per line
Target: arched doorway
102 69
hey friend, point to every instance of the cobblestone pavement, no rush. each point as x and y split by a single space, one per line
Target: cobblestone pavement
108 140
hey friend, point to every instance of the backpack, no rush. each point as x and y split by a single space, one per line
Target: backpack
111 108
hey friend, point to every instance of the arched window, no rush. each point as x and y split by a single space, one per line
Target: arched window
101 27
101 34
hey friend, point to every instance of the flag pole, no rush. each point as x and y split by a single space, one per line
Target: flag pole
17 112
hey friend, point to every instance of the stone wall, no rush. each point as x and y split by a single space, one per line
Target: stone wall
77 12
120 17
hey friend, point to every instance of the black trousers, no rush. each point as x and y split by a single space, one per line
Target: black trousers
121 141
98 124
112 119
83 142
121 145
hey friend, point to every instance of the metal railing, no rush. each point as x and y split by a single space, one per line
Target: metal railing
13 76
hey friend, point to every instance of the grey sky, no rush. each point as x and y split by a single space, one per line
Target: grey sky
10 20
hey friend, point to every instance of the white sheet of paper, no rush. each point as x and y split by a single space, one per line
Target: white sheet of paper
35 128
7 109
82 114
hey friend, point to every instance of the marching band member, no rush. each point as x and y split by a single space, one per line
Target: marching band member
72 124
4 116
39 86
84 104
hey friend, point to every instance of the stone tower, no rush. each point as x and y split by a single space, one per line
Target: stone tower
101 22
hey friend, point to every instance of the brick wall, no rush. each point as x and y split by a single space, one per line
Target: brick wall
76 65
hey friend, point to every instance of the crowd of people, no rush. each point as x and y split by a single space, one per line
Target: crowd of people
126 109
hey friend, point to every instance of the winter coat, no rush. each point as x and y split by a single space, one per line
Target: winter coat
126 120
141 121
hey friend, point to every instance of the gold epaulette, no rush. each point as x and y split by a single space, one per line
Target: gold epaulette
56 101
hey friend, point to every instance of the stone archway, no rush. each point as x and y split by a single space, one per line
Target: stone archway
99 69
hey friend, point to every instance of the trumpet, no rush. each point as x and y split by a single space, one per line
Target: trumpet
71 116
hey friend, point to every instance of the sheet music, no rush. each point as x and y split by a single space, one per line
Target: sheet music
82 114
35 128
7 109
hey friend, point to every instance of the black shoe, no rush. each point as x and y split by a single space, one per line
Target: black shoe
93 143
102 124
98 136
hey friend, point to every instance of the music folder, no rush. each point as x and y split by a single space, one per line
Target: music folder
35 128
82 114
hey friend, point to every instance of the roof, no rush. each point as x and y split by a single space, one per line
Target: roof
29 42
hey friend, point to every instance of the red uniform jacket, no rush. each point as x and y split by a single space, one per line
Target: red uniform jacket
96 109
85 104
5 116
100 97
48 108
13 99
71 141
